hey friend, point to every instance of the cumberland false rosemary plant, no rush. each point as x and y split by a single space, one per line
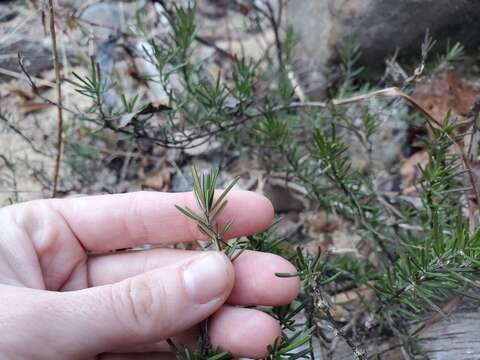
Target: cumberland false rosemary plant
421 251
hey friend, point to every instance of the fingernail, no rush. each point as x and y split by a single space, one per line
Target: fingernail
206 278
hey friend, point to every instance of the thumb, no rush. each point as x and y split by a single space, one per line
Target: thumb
152 306
146 308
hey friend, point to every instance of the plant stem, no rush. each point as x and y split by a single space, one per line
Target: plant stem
360 354
56 64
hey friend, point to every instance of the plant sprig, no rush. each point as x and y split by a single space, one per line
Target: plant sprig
207 222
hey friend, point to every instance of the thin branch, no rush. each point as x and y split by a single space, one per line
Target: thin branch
22 135
215 47
322 305
31 80
56 64
275 23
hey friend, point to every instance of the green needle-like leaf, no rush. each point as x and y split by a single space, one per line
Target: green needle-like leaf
219 211
226 191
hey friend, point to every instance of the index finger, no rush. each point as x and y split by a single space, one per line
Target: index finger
108 222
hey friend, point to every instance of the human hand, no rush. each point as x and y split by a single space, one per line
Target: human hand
58 301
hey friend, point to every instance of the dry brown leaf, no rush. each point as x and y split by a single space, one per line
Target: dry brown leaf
409 170
125 119
322 224
159 180
27 108
21 94
339 313
341 301
444 92
261 179
352 295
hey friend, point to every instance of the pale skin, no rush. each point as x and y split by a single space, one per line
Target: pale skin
58 300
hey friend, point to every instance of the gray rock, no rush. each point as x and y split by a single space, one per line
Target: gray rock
379 26
24 33
7 13
282 198
108 18
37 56
73 4
454 337
292 231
